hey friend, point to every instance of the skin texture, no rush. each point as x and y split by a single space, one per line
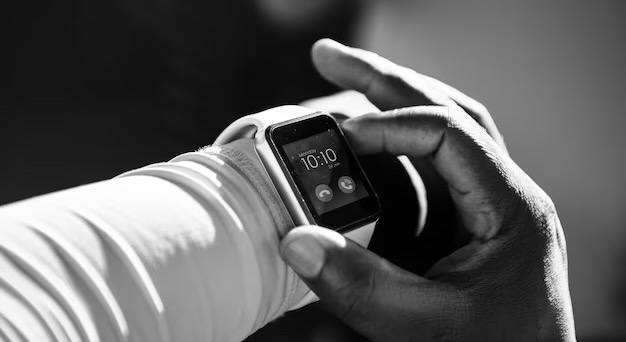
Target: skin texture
505 276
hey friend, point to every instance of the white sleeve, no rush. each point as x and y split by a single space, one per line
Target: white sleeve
178 251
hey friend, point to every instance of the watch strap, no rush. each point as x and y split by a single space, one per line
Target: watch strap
247 126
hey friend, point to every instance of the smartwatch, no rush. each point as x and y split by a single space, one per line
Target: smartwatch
312 167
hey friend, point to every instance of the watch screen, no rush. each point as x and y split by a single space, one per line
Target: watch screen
325 172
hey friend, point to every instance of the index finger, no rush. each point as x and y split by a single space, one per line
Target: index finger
478 172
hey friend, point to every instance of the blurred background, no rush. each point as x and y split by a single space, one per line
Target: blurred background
92 88
552 74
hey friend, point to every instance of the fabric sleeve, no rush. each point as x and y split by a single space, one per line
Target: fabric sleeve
179 251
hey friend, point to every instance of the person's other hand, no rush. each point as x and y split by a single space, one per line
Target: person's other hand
509 279
388 86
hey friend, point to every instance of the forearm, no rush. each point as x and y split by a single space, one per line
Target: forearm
187 252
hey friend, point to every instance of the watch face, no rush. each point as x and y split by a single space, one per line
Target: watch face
325 172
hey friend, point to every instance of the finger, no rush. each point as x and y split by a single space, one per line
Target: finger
478 173
368 293
346 103
383 82
472 107
389 85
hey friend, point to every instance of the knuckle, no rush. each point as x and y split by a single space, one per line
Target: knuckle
542 204
477 111
481 115
379 70
394 77
538 210
375 79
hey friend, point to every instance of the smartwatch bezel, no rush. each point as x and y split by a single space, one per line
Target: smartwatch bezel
344 218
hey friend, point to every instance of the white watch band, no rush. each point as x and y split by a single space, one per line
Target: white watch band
253 127
249 125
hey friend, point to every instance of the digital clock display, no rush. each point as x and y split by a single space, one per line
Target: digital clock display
326 171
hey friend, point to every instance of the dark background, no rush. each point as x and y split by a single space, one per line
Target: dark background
89 89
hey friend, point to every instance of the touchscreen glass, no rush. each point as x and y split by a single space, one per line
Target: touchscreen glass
326 171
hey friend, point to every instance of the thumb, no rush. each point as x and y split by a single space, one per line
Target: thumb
362 289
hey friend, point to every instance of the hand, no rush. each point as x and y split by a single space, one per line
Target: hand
508 281
390 86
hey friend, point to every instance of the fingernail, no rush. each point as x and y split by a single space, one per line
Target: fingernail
305 255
